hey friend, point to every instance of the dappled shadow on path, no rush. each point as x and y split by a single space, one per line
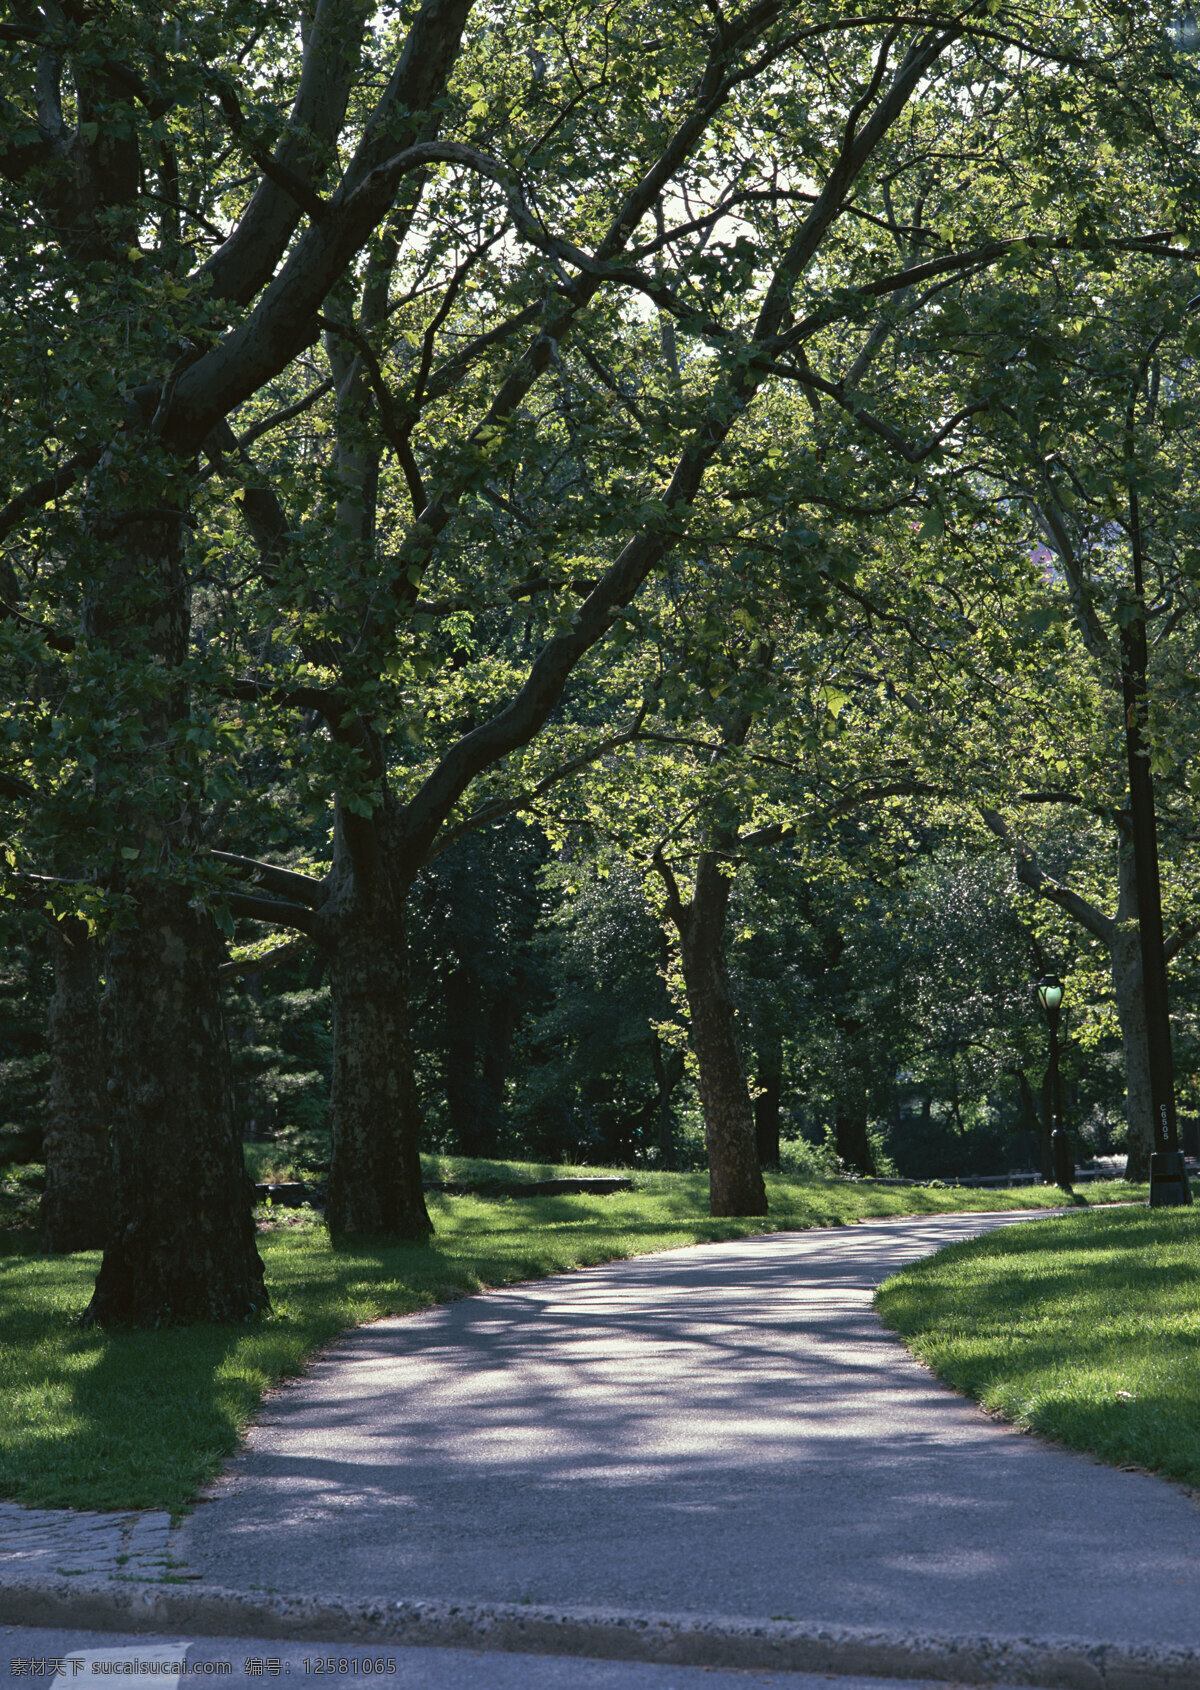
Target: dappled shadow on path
722 1430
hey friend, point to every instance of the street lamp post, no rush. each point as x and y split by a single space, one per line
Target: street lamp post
1050 996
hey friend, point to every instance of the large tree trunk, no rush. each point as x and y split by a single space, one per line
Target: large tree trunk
76 1204
735 1178
182 1244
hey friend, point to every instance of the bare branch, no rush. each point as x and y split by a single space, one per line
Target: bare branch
285 882
276 910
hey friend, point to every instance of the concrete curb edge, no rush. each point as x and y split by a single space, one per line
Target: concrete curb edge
677 1640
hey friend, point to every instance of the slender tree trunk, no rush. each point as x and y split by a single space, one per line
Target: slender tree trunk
463 1091
955 1100
1128 985
76 1206
853 1142
1131 1013
767 1099
182 1243
500 1025
375 1167
735 1178
850 1110
668 1071
375 1185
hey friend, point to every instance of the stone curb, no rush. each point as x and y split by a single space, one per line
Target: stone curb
676 1640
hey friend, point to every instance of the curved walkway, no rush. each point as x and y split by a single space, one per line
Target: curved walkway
720 1431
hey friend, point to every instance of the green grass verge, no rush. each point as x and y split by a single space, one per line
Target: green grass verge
143 1419
1086 1329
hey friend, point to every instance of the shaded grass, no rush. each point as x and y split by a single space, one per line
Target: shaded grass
20 1193
130 1419
1086 1329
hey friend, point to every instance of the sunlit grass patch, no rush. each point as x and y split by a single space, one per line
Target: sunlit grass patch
143 1419
1085 1328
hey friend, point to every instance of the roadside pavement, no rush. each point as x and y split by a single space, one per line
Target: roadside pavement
250 1663
709 1457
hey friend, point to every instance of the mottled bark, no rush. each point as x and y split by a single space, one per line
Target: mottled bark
1125 956
76 1205
182 1243
1131 1013
375 1170
375 1119
735 1178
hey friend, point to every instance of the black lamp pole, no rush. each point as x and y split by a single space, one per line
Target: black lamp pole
1050 996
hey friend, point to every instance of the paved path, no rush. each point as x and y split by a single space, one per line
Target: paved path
48 1543
723 1431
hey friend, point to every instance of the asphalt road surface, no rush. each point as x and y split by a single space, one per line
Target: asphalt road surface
721 1431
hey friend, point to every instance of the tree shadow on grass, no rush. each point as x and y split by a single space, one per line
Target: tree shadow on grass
1083 1330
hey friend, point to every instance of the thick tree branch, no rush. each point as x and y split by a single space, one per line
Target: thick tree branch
245 262
1182 936
12 786
293 184
522 717
44 492
284 882
273 910
1037 880
276 419
501 807
332 705
675 905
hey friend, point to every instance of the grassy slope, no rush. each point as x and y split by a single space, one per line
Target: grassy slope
142 1419
1085 1328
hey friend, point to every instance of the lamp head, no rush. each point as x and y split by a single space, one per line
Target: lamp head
1050 993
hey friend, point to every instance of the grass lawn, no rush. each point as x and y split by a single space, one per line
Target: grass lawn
1085 1328
143 1419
